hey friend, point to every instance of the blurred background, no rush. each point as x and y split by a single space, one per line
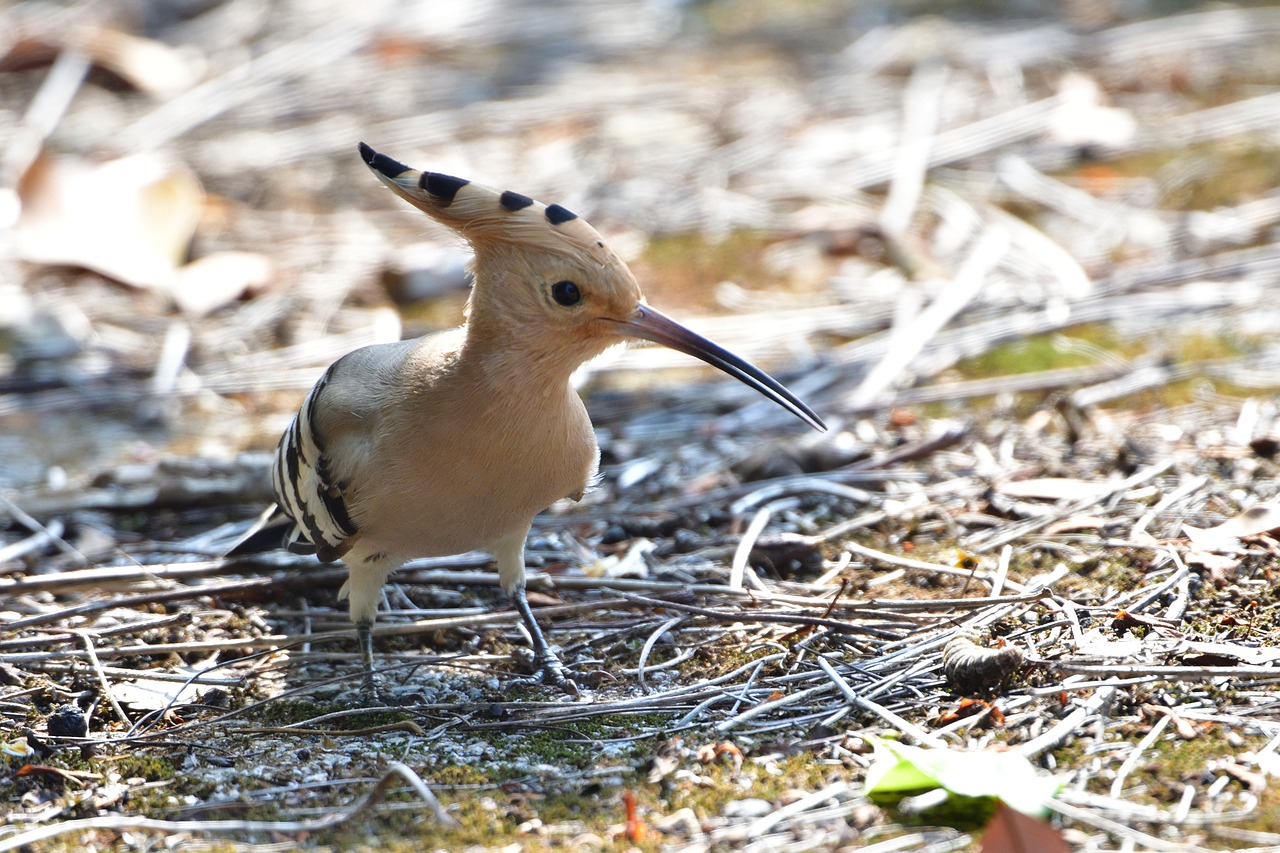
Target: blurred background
872 199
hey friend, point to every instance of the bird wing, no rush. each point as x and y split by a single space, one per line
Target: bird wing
326 459
308 489
323 457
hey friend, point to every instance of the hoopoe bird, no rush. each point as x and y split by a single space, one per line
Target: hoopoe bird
453 442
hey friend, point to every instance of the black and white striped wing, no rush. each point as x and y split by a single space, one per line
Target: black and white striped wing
308 489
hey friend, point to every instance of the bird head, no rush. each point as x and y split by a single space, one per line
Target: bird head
547 284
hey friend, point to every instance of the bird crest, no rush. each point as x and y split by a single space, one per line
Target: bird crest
486 216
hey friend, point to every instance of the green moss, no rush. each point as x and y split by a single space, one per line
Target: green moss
1172 762
681 270
720 657
746 18
1052 351
1092 579
488 822
495 818
1266 816
1037 353
461 776
717 782
154 800
1220 175
287 712
153 768
1201 177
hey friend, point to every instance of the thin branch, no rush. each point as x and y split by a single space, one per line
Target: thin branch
129 823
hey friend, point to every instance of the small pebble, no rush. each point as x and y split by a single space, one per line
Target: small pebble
613 534
68 721
750 807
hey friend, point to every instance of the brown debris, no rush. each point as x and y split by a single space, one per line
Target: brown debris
1036 350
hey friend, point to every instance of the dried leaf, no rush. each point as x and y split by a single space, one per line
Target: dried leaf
71 777
150 694
1260 518
966 708
730 749
209 283
1126 619
129 219
1199 653
1010 831
1256 520
1221 568
711 752
148 65
1054 489
1181 725
16 748
1253 780
1076 522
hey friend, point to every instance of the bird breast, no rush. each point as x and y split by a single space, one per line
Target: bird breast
457 469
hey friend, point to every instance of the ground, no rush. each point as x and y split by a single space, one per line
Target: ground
1023 267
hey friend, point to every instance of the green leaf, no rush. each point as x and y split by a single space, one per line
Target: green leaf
1007 776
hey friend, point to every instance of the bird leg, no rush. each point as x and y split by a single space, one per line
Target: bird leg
367 574
549 668
509 554
369 686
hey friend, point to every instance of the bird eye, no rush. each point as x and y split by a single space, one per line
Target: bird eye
566 293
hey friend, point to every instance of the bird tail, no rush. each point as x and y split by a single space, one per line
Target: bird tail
272 529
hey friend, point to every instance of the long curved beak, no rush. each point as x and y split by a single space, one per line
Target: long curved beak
650 324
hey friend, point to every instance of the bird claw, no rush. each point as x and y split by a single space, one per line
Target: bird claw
551 671
369 693
547 669
373 695
381 699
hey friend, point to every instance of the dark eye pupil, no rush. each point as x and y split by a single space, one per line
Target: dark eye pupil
566 293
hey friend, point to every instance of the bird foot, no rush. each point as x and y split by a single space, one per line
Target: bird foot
369 692
372 694
548 669
551 671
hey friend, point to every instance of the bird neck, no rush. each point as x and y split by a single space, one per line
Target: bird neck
510 357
